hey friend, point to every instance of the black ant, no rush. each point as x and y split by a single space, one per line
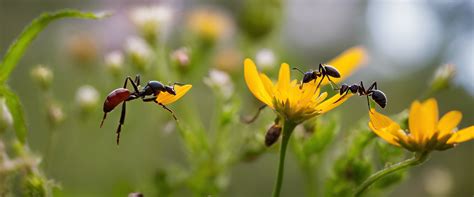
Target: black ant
122 95
377 95
324 70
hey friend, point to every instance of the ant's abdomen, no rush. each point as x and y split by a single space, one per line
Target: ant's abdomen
115 97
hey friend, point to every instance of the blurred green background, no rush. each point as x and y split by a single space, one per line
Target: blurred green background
406 42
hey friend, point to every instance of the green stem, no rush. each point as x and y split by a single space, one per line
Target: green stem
288 128
417 159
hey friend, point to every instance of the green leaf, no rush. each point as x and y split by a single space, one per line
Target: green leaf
18 47
13 104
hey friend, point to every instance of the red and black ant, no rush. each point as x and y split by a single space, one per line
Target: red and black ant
123 95
324 70
377 95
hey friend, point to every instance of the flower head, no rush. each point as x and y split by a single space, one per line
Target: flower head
425 132
293 102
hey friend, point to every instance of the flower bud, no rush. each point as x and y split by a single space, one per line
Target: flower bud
152 21
272 135
228 60
258 18
114 62
55 114
139 52
180 58
35 185
221 82
43 76
265 59
442 77
210 25
6 119
82 48
135 194
87 98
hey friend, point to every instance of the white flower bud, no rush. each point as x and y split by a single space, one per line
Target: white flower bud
221 81
139 52
114 62
87 97
6 119
42 75
152 21
265 59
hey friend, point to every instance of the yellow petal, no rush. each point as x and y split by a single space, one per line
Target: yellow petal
332 102
166 98
462 135
283 78
429 117
347 62
448 122
382 133
415 121
267 84
254 83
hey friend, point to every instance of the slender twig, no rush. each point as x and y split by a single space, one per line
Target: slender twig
418 158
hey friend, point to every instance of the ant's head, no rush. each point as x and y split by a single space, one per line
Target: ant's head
170 89
379 97
309 76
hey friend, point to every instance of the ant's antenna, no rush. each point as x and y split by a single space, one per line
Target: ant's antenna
294 68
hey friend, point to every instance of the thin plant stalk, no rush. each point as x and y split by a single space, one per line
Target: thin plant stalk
288 128
417 159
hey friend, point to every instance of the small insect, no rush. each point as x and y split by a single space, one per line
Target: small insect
324 70
377 95
122 95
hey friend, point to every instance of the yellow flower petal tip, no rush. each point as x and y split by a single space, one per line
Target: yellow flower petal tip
287 97
425 132
166 98
348 62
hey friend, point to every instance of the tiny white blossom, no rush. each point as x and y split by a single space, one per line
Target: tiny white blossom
138 50
265 59
87 97
220 80
114 61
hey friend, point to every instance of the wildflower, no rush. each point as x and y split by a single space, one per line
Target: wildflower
114 62
180 58
43 76
210 25
265 59
139 52
295 104
87 97
55 114
442 77
426 133
228 60
286 97
221 81
82 48
152 20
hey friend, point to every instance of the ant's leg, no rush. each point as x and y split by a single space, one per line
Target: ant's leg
103 118
149 99
332 84
248 121
137 80
135 87
374 85
122 120
343 96
368 102
168 109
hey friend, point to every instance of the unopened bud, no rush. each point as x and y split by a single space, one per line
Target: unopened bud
55 114
220 81
210 25
268 17
114 62
35 185
82 48
43 76
87 98
6 119
442 77
180 58
229 60
272 135
139 52
265 59
135 194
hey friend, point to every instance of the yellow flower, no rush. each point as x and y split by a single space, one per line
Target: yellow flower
426 132
166 98
286 97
